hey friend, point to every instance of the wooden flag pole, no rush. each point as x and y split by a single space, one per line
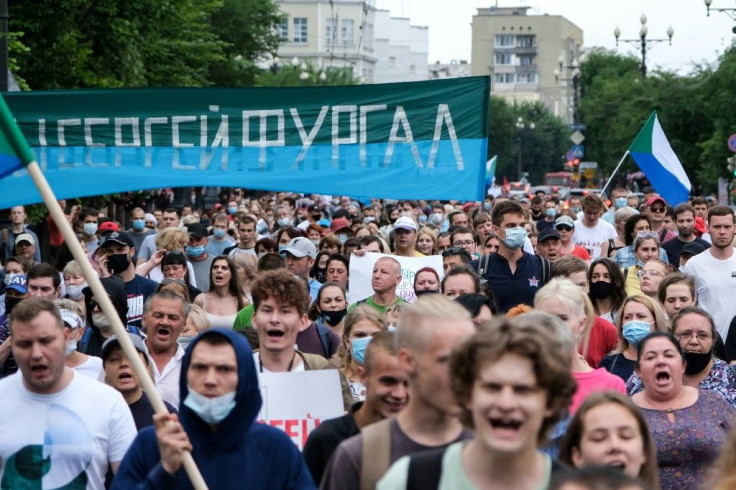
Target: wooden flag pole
110 312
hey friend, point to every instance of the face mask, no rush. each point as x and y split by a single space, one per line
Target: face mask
359 346
436 219
697 362
487 206
334 317
316 217
10 303
425 291
422 219
218 232
232 210
75 292
8 278
619 202
269 219
315 242
185 340
515 237
100 320
551 212
635 331
601 289
117 263
284 222
195 251
342 238
282 248
576 209
71 347
90 228
211 410
369 219
139 224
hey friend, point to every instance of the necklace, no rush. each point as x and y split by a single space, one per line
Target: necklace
291 363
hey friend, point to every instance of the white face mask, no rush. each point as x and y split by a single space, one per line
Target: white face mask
211 410
75 291
100 320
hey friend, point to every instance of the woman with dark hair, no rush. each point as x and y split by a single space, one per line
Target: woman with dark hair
480 306
609 430
337 270
319 269
225 297
688 425
426 281
607 292
330 307
285 235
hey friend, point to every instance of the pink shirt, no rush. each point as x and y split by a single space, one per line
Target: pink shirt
593 381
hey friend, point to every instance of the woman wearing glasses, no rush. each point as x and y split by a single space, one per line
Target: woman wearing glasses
625 257
694 330
646 249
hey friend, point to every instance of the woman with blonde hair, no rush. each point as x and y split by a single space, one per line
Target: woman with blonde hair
73 317
360 325
568 302
197 322
639 316
168 240
426 242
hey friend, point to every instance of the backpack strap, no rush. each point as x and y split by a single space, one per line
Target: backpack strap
324 338
732 367
376 458
625 270
545 270
425 470
82 347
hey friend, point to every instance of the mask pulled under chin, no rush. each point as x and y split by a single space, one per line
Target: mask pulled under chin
211 410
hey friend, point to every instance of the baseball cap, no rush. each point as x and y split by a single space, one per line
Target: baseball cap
301 247
546 234
113 341
71 319
25 237
119 237
339 224
324 223
405 223
197 230
700 224
691 249
468 205
314 207
18 283
108 226
654 199
564 220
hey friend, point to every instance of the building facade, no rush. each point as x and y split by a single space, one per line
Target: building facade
529 57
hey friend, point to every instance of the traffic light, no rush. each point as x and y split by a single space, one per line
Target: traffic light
575 162
731 166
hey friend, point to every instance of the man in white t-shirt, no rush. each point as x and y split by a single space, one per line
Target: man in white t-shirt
715 270
591 232
60 429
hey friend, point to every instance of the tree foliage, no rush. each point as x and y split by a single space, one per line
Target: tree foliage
296 73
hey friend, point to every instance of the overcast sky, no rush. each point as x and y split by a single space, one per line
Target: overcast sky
697 38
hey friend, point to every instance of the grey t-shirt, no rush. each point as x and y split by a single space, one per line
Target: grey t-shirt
202 272
344 469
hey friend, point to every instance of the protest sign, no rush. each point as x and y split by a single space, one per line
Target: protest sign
296 402
361 269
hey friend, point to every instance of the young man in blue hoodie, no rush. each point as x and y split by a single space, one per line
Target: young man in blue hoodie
217 424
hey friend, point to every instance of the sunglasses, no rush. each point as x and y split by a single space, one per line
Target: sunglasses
658 209
564 228
647 234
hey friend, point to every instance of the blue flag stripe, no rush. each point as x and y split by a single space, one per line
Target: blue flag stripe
666 184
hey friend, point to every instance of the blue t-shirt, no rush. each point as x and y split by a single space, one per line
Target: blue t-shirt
138 290
520 287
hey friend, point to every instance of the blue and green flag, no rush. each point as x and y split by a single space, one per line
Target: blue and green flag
14 150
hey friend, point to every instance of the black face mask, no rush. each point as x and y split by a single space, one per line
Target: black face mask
335 316
426 291
117 263
697 362
316 217
321 275
601 289
10 303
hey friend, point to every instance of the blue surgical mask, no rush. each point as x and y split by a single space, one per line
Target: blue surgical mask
185 340
342 238
195 251
90 228
232 209
218 232
284 222
487 206
211 410
71 347
436 218
619 202
551 212
576 209
74 292
359 346
515 237
282 248
422 219
139 224
635 331
369 219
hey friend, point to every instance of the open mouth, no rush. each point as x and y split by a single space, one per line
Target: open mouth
125 376
218 278
505 424
273 333
662 376
163 331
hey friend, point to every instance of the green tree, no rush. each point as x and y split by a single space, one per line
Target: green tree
297 73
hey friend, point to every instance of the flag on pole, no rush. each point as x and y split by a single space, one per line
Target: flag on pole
491 171
654 155
14 150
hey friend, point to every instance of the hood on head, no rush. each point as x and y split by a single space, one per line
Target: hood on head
247 398
115 288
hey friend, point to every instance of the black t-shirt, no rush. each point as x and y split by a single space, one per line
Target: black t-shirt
618 364
323 441
510 289
143 411
674 247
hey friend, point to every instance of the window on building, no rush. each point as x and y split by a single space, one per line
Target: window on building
300 29
282 28
526 60
525 41
392 61
504 40
347 31
412 69
504 78
529 77
502 58
331 30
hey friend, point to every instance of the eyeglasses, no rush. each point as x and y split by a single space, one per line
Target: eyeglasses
687 335
643 273
464 243
657 209
647 234
563 228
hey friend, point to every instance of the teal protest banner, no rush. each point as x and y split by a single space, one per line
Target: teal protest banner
404 140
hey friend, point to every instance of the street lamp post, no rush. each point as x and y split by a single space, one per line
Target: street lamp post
520 127
730 12
574 77
643 42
